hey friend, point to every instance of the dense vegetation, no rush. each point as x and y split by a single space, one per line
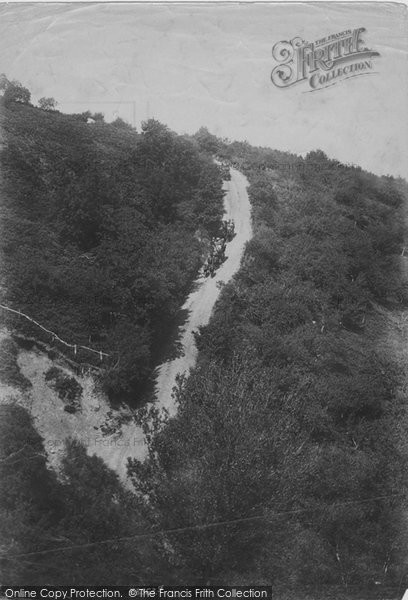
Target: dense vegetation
282 464
102 232
40 516
292 412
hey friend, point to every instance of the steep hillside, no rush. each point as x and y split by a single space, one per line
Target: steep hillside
102 235
296 411
285 462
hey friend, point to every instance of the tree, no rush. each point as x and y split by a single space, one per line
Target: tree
207 141
98 117
47 103
121 124
15 92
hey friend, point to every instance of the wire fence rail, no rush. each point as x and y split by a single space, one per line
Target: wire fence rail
75 347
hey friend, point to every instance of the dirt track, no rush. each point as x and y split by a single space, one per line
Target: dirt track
200 304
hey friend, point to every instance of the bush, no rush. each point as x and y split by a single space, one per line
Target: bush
69 390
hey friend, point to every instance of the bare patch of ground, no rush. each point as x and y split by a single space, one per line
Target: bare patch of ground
94 423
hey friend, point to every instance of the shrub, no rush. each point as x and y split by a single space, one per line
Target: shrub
68 389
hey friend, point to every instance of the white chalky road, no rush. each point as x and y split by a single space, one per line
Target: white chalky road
199 305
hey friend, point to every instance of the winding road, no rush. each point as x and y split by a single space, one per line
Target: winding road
199 305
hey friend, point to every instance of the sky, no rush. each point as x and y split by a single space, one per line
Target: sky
196 64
